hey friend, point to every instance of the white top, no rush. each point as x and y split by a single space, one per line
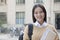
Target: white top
39 25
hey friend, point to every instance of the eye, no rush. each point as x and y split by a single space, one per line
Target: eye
41 12
35 13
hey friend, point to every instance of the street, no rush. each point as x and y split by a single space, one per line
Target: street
7 37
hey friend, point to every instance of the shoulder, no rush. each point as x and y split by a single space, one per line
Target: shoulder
28 25
50 26
26 28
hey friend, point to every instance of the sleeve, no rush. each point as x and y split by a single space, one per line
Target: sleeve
54 29
25 37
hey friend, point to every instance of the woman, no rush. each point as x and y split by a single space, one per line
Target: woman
39 25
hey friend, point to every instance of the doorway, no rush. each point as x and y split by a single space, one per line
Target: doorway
57 20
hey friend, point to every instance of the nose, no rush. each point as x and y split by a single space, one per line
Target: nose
39 14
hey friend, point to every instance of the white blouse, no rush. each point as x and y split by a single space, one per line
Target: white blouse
39 25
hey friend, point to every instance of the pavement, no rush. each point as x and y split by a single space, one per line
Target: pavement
8 37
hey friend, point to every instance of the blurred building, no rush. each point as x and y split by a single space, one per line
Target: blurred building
20 11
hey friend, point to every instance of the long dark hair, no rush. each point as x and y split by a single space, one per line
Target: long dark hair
42 7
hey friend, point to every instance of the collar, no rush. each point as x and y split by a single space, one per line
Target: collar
39 25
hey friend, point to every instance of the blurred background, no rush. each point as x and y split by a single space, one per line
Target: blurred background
16 14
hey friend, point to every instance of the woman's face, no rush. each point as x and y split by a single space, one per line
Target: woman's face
39 14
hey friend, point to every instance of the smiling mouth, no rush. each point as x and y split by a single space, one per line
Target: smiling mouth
40 17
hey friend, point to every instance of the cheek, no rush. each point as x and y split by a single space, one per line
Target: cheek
35 16
43 15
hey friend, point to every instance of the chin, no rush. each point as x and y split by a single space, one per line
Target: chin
40 20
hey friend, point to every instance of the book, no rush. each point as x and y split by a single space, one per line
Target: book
48 35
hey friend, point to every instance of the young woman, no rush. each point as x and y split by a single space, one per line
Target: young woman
40 26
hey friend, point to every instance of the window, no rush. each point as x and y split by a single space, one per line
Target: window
20 1
2 2
38 1
3 18
20 16
56 0
57 20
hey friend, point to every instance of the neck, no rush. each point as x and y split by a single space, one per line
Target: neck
41 22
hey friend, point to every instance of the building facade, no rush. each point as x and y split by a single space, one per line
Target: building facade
20 11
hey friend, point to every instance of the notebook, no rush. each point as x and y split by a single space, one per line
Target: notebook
48 35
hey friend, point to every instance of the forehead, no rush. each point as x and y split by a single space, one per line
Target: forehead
38 9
